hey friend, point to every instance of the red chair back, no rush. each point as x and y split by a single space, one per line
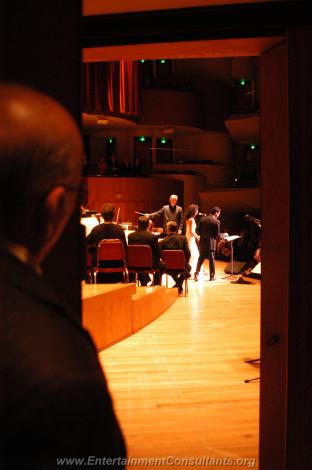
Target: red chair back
140 260
111 250
140 256
174 259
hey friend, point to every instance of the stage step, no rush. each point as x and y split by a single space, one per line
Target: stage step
112 312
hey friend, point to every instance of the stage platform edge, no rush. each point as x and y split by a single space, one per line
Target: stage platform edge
112 312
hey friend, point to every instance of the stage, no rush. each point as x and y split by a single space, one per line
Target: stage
178 383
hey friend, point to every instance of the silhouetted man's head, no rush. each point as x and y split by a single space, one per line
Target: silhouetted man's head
108 212
143 223
215 211
172 227
41 156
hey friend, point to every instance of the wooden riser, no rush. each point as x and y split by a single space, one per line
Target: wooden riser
112 312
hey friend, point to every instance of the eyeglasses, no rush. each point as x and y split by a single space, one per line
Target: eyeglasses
72 188
79 189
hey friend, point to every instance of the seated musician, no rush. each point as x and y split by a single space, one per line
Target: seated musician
104 231
143 236
174 241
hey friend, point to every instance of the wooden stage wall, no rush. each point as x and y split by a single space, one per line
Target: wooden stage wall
131 194
111 312
150 194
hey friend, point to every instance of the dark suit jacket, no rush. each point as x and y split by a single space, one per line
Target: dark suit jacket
144 237
54 397
177 242
209 230
105 231
168 214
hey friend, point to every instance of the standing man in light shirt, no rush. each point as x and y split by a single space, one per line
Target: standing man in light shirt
169 213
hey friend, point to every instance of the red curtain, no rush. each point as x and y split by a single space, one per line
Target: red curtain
110 87
128 87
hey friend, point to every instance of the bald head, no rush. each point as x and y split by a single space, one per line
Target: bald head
40 149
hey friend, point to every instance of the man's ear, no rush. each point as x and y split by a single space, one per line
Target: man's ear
54 219
54 206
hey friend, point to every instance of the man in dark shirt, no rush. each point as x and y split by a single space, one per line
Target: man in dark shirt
104 231
208 229
169 213
144 237
108 229
55 403
173 241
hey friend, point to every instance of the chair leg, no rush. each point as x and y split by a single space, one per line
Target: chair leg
158 278
185 286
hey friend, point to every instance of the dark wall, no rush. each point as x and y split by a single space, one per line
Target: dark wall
299 409
286 324
274 256
40 47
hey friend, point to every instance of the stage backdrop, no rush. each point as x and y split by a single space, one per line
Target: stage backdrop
131 194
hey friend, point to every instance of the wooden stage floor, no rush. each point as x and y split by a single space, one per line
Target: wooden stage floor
178 384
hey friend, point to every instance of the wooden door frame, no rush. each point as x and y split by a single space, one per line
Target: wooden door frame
281 288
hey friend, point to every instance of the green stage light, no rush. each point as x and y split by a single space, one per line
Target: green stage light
163 140
252 147
142 61
242 82
142 138
110 140
162 61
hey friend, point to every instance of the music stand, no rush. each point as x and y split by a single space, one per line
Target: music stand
230 239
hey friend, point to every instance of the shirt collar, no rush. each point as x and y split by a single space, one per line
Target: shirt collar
20 252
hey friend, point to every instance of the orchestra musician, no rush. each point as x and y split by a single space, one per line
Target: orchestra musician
106 230
144 236
173 241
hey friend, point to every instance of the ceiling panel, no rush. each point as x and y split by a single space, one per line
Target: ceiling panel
105 7
182 50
